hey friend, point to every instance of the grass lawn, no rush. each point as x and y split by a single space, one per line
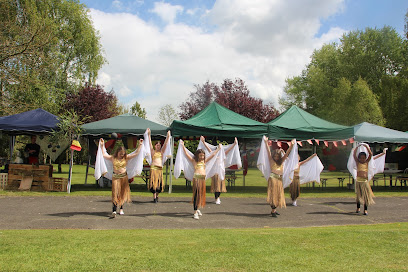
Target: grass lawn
380 247
255 186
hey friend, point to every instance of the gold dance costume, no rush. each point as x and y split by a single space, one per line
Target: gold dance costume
120 184
364 194
199 187
294 187
276 196
218 185
156 175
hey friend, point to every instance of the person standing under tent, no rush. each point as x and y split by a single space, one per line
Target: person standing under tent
33 150
273 166
198 163
123 165
363 168
218 185
157 158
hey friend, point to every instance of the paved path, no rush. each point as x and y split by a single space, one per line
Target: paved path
92 212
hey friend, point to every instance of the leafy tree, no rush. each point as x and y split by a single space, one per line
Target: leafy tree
47 48
233 95
330 85
167 114
137 110
93 103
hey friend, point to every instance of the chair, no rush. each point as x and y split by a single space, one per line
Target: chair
341 180
323 182
403 178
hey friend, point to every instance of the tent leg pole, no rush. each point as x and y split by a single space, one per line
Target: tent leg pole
171 165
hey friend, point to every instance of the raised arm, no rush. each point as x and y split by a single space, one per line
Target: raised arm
205 144
370 154
166 142
308 159
185 152
232 146
105 155
150 140
355 153
129 157
213 153
289 150
381 154
268 149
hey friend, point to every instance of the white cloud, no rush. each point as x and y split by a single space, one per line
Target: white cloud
262 42
167 12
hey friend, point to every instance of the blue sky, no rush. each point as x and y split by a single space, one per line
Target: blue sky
158 50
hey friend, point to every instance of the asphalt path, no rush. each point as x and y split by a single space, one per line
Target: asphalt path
93 212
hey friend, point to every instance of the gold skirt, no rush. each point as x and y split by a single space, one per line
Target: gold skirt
120 191
217 185
364 194
294 188
199 191
276 196
156 178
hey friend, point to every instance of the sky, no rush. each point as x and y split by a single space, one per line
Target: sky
157 51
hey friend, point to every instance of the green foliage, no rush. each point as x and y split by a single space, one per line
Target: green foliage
137 110
354 81
167 114
47 48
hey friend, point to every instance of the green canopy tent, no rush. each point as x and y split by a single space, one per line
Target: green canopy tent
216 120
299 124
366 132
126 125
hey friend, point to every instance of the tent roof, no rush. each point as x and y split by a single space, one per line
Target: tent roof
29 122
123 124
366 132
299 124
216 120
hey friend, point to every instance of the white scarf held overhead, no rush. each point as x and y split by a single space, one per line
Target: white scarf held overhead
374 166
232 158
310 171
214 166
289 165
167 153
104 167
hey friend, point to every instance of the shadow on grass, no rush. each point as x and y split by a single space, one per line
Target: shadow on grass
343 213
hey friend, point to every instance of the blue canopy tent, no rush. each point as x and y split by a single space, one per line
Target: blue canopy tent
36 121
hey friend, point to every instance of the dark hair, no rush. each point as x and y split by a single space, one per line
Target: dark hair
361 154
197 153
115 155
277 151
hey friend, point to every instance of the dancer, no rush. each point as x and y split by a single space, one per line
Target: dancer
198 168
363 168
119 168
157 158
278 171
232 157
307 171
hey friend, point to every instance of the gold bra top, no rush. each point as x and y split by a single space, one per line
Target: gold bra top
362 167
200 165
296 172
157 155
119 164
277 168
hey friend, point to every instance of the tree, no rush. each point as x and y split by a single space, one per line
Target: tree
47 49
93 103
167 114
233 95
362 61
137 110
